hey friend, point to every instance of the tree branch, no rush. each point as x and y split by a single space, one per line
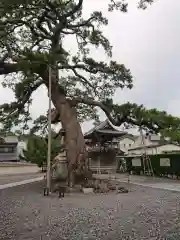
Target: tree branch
121 116
76 8
28 24
82 67
84 81
85 23
91 102
16 107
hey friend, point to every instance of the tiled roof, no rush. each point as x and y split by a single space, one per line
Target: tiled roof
105 127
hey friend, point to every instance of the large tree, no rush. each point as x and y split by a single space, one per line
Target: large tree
32 35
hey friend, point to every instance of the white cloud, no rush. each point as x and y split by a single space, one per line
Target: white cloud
148 43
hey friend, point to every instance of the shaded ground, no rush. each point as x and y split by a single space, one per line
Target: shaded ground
144 213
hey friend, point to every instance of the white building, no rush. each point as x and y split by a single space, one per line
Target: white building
147 140
11 139
154 149
152 144
11 148
126 142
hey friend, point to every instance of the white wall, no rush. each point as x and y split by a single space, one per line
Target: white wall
147 141
156 150
125 144
22 145
168 148
142 151
11 139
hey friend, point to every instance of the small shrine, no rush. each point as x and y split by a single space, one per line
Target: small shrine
103 145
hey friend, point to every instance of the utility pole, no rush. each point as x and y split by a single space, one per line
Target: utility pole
47 190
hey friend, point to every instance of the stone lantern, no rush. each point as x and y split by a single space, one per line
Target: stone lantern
59 166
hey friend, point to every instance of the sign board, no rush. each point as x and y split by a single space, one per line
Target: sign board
136 162
165 162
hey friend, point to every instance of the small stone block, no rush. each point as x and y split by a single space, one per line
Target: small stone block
88 190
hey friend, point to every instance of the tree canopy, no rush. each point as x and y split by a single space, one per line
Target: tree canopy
32 36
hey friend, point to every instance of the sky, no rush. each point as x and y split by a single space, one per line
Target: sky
147 42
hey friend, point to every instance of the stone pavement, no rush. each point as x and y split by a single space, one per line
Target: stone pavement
154 182
7 181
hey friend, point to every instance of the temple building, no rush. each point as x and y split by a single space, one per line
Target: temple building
102 143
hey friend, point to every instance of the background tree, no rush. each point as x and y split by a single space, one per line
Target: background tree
32 39
37 150
151 120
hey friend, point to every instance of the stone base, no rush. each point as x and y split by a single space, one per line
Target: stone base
92 186
87 190
75 189
122 190
105 186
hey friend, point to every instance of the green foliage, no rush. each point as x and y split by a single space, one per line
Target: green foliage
153 120
40 125
37 150
123 5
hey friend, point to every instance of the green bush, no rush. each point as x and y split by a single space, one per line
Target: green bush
37 148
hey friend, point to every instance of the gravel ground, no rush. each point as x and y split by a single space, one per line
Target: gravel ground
143 213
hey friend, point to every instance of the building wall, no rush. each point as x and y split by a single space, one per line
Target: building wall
6 157
168 148
11 139
146 139
142 151
155 150
125 144
22 145
103 159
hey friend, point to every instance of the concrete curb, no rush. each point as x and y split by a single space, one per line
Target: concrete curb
14 184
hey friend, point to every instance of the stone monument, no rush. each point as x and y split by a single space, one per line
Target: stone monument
59 165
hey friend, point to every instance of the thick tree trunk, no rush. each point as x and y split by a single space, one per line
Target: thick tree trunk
74 139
